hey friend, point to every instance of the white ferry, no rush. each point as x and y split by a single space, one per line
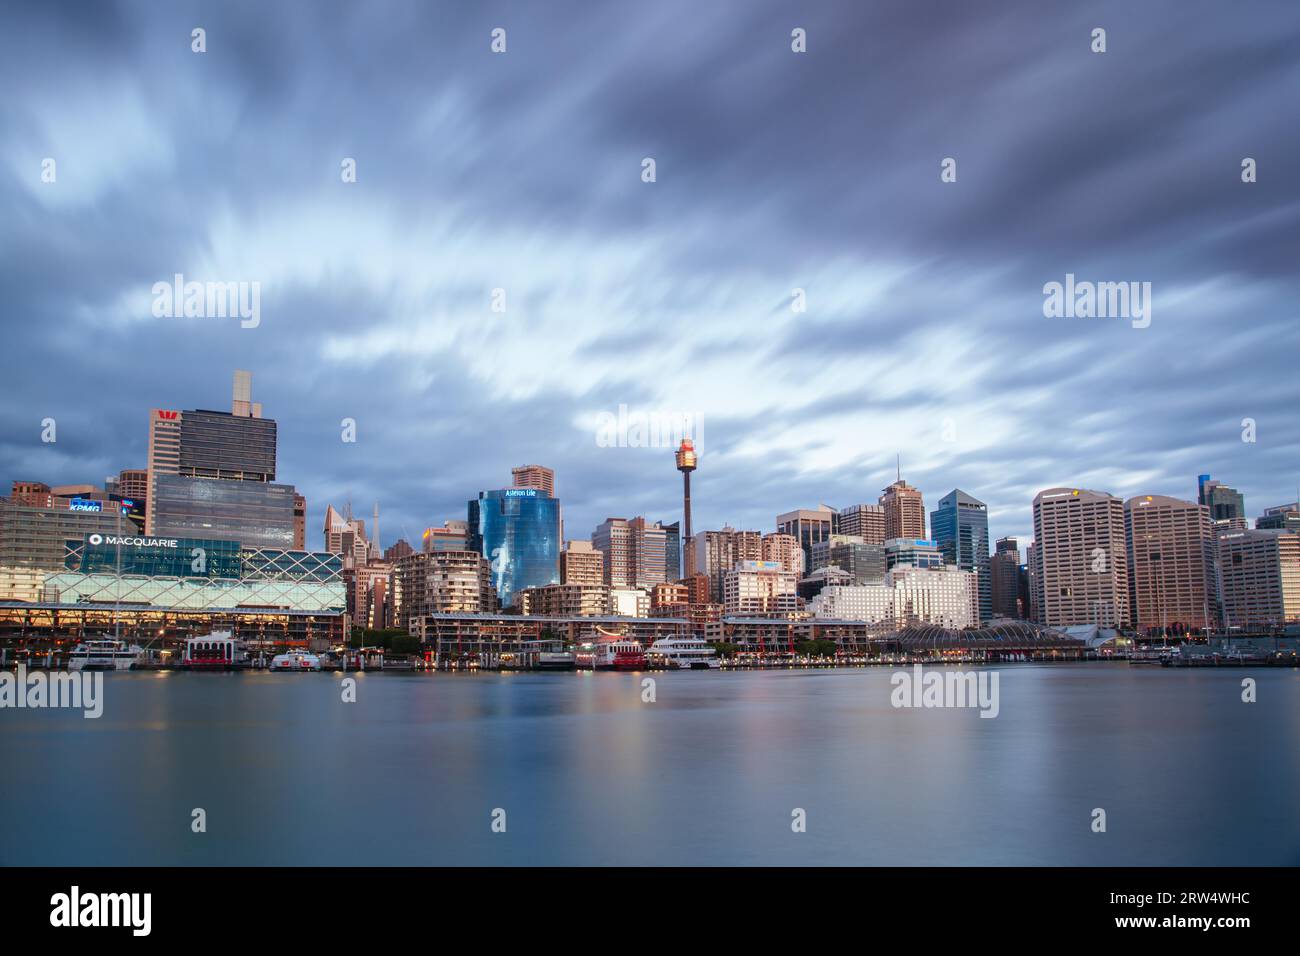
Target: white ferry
687 653
295 661
104 654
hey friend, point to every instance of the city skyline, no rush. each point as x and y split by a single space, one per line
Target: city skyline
924 299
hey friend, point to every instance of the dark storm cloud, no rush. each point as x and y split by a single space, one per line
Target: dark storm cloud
776 171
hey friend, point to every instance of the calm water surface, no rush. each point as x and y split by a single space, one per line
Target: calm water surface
708 774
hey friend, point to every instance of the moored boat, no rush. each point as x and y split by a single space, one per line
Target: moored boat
621 654
104 654
218 651
685 653
295 661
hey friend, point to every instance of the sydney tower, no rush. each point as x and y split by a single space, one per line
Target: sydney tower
686 465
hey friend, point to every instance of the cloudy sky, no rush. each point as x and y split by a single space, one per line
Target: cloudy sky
924 334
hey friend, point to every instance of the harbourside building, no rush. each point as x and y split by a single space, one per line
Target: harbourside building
566 600
33 540
760 588
1260 571
451 582
1171 557
169 588
948 597
1081 558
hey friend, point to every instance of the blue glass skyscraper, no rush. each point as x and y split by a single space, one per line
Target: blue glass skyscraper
518 531
960 526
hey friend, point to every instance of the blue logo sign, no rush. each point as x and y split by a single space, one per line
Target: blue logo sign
84 504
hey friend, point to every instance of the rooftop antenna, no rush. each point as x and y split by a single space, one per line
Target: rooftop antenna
899 464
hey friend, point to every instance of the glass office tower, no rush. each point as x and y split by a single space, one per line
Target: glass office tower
960 526
256 513
518 531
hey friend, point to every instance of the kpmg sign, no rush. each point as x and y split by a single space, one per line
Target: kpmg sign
85 504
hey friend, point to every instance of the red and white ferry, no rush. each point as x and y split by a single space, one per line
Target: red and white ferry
619 654
218 651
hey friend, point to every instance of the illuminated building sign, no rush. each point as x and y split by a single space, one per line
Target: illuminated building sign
85 504
521 492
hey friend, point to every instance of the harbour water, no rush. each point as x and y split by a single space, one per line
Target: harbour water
709 773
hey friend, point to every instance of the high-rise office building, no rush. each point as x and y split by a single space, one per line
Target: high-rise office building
864 562
535 476
254 513
673 550
1004 580
1034 583
1227 505
164 455
1082 558
1171 559
635 552
1280 518
131 483
346 535
960 527
452 536
299 522
808 527
904 511
864 521
518 531
1260 573
716 552
33 541
912 553
581 563
785 550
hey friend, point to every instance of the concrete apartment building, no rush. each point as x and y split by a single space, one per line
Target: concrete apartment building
581 563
